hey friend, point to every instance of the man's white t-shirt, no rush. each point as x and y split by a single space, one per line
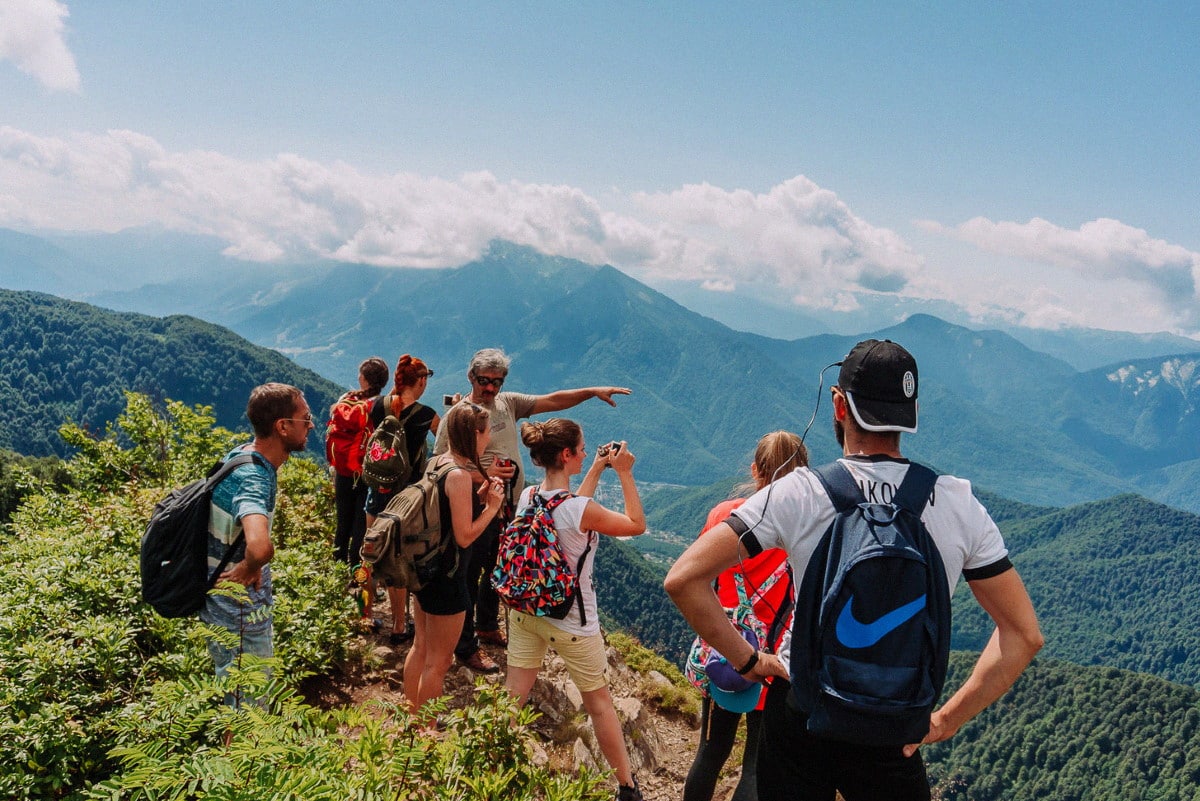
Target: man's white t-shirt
794 512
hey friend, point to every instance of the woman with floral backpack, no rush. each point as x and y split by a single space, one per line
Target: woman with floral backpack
412 376
758 593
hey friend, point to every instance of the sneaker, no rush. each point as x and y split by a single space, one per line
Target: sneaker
492 637
479 662
401 637
627 793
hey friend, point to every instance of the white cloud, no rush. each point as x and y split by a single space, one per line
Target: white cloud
1105 272
796 235
797 240
31 36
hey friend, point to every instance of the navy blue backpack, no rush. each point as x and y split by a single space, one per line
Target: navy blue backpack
871 638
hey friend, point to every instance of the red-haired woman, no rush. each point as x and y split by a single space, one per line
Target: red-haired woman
412 375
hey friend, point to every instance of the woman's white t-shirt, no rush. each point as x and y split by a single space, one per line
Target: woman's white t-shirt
568 517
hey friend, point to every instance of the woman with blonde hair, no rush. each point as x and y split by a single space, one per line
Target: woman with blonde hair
767 582
557 446
469 501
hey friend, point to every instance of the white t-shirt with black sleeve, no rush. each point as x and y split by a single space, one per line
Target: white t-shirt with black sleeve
795 511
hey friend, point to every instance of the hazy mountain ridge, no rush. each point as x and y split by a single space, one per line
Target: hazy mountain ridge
1021 423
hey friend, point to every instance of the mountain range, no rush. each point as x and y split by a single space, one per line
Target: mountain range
1023 423
62 361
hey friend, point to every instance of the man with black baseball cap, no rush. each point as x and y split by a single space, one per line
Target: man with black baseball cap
874 402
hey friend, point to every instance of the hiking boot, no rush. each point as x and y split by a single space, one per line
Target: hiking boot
492 638
479 662
627 793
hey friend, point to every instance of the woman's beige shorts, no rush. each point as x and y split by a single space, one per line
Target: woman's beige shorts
529 636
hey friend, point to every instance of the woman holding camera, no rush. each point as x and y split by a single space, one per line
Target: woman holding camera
557 446
469 501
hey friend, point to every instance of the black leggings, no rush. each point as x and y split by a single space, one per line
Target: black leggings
718 728
483 614
349 499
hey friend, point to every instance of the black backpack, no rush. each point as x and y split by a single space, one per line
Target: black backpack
174 551
871 638
385 459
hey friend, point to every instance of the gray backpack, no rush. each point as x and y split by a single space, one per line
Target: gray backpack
405 545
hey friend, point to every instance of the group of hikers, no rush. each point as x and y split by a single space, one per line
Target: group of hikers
825 691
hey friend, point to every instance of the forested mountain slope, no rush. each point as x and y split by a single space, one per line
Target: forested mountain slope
1070 733
1114 583
61 360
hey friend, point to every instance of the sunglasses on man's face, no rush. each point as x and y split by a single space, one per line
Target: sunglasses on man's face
484 381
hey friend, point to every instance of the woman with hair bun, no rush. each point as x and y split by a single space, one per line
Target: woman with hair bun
767 582
349 491
412 375
557 446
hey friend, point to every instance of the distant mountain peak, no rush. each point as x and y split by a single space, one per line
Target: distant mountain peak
1179 372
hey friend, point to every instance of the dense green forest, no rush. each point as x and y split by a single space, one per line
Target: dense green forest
64 361
1072 733
1113 582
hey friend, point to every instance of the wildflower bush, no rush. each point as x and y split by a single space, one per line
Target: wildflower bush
101 698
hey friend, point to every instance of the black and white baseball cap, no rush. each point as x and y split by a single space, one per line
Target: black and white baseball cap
879 378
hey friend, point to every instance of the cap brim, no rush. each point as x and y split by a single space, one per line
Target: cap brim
873 415
741 702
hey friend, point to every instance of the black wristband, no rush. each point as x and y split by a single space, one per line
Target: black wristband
746 668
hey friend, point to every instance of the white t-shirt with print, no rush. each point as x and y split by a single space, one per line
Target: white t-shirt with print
795 511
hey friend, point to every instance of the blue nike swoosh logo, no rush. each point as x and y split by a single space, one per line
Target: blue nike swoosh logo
853 634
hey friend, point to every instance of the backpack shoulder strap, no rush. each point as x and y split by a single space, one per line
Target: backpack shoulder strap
554 501
840 485
221 470
913 492
412 409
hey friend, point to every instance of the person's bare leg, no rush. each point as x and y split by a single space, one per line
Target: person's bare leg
607 725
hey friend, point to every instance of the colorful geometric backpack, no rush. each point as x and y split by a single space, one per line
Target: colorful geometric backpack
532 575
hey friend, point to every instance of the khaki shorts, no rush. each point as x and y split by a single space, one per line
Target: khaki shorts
529 636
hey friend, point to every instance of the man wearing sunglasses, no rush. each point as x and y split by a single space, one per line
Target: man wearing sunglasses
487 373
243 505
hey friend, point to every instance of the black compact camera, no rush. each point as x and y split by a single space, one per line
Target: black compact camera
610 448
447 400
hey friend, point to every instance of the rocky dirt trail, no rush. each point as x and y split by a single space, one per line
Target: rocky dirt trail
662 744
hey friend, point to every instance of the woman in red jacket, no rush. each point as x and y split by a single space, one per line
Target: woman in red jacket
768 586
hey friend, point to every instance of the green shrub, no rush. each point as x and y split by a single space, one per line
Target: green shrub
678 696
77 647
170 746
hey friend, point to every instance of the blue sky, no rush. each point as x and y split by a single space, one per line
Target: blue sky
1033 164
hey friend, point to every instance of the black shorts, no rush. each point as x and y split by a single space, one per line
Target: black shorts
377 499
796 766
446 595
